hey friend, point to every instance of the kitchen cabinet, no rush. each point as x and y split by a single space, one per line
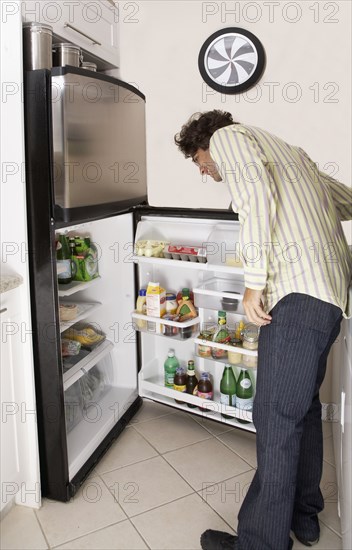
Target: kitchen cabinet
10 377
91 25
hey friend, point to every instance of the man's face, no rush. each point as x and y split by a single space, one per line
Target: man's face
206 164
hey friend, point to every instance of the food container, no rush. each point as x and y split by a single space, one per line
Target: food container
250 361
88 66
185 253
37 46
171 303
234 357
220 293
250 336
150 248
66 54
169 330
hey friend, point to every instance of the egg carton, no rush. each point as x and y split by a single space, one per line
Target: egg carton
185 253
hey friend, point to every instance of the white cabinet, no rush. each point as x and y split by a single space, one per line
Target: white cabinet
10 307
91 25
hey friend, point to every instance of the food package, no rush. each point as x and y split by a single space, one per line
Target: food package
70 347
156 300
150 248
87 335
185 253
68 312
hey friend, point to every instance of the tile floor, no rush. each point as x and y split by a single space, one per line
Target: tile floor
167 478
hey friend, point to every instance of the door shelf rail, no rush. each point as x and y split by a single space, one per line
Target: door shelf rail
164 327
84 309
199 266
212 409
234 349
82 367
75 286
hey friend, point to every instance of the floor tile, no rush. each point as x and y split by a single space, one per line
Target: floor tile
178 525
328 483
130 447
226 497
243 443
329 450
328 541
145 485
149 410
122 536
20 529
172 432
92 508
205 463
212 426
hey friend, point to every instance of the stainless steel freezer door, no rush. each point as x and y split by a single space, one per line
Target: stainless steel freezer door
98 141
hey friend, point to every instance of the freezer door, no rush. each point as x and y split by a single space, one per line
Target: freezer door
98 140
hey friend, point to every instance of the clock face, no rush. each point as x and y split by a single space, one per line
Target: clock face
231 60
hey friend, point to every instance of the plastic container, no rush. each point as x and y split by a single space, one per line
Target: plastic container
37 46
223 246
89 66
221 294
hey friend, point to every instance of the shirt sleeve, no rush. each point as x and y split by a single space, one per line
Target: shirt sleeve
243 166
341 194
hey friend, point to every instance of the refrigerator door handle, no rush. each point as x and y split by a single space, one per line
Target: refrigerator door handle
82 33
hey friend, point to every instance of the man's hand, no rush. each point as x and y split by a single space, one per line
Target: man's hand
252 303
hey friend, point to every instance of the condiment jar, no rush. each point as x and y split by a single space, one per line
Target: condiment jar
250 336
171 304
233 356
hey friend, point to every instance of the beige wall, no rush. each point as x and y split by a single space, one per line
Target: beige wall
160 41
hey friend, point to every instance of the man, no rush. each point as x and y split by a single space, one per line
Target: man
297 269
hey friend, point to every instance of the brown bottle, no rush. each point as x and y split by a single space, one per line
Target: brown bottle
180 380
205 388
192 382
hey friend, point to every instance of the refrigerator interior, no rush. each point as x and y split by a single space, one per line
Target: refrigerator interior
208 277
100 388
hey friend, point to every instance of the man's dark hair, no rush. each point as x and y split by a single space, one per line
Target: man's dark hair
197 131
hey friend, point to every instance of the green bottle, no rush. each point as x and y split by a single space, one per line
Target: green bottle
244 394
192 382
228 389
170 366
221 336
63 258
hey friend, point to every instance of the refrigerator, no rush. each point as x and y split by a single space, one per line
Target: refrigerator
86 175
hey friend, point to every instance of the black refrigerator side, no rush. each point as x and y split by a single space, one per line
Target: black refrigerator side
44 300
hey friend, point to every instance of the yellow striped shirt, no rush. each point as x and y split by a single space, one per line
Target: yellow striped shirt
291 236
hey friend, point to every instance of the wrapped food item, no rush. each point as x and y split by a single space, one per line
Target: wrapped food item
186 309
68 312
87 335
150 248
70 347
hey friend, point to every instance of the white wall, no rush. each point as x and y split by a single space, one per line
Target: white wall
160 42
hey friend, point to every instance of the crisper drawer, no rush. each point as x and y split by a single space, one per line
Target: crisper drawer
221 294
86 392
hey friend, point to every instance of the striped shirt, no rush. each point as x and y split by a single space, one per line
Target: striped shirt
290 213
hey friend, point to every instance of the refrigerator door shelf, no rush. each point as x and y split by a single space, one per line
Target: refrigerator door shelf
220 294
76 286
82 367
221 268
84 309
155 389
238 349
164 327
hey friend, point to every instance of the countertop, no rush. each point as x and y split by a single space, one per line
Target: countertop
8 282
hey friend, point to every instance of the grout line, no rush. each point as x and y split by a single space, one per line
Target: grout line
330 528
41 527
237 454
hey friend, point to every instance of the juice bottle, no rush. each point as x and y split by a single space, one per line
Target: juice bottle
170 367
228 389
244 394
205 388
180 381
192 382
141 307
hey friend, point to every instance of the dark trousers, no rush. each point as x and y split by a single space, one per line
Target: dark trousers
285 492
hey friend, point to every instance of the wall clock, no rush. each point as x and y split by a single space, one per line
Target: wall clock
231 60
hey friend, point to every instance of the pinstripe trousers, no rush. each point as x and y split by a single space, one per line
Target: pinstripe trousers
284 493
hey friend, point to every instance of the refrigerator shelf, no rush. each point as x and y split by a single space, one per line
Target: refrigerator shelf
154 388
82 367
235 349
75 286
162 327
189 265
84 309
